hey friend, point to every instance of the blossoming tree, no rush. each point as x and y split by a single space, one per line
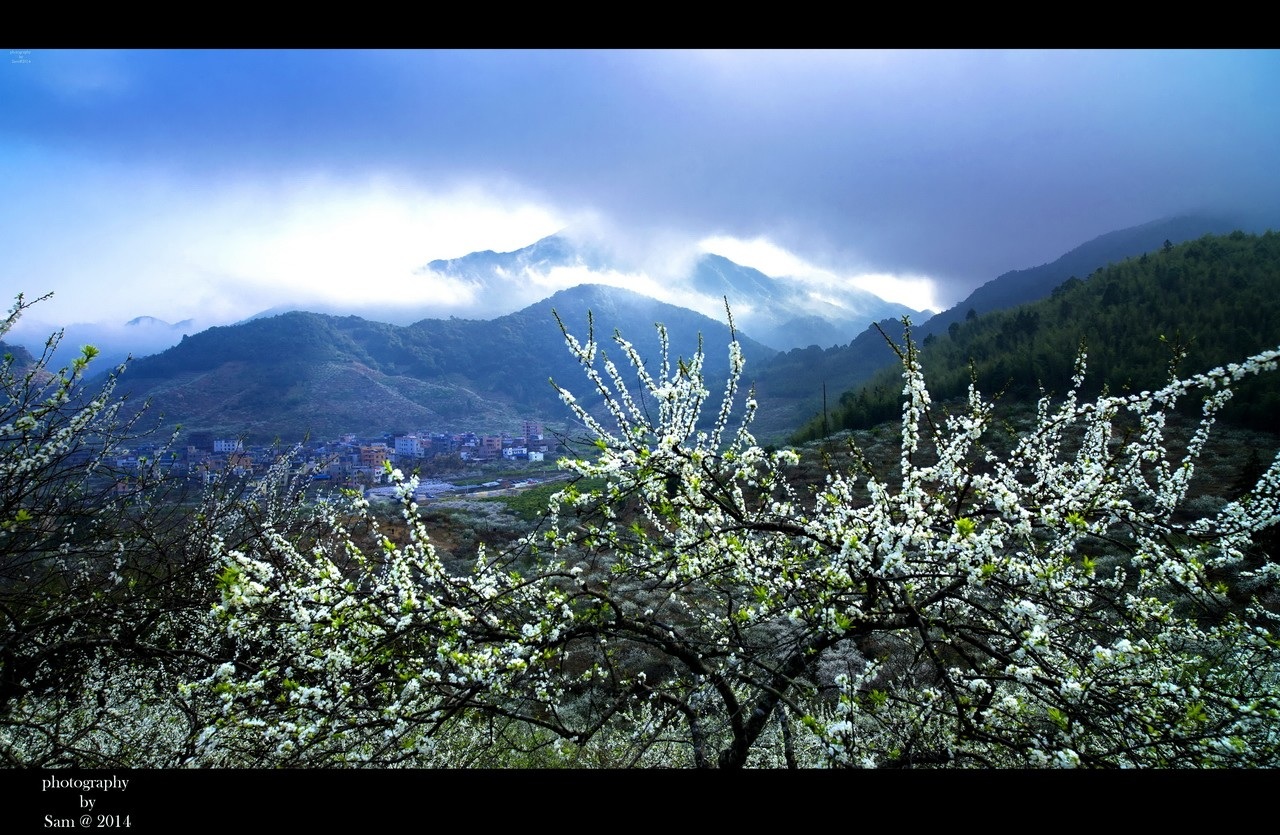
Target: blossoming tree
101 575
687 602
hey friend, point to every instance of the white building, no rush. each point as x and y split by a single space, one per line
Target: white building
412 446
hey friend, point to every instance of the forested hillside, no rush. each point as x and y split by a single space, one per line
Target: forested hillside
1209 301
792 384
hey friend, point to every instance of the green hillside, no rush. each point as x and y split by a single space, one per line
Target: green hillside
1216 298
299 373
791 385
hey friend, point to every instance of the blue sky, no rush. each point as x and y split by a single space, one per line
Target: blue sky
214 184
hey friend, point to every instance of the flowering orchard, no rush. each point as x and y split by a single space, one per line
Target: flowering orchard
689 601
102 573
685 603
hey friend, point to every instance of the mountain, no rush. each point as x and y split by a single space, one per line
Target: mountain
115 342
780 312
1020 286
491 270
22 358
784 313
791 386
16 359
301 373
1217 298
290 374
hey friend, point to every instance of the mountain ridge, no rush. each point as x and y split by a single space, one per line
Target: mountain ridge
284 375
791 388
778 311
1199 304
304 373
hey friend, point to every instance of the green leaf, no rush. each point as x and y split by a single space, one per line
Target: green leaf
228 577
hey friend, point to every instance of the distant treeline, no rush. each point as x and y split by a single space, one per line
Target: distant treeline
1216 298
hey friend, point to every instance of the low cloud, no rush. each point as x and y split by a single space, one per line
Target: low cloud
916 292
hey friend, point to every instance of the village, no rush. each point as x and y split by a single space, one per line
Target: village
352 462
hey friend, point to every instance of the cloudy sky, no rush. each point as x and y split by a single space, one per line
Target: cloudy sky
215 184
